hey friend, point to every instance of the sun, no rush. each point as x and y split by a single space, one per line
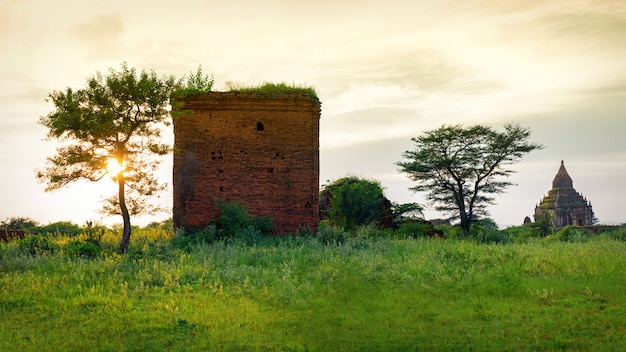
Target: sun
114 167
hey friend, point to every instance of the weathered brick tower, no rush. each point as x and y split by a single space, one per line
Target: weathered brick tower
260 149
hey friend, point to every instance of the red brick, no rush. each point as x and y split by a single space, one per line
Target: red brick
262 150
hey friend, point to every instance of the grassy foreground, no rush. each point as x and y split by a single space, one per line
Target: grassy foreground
298 294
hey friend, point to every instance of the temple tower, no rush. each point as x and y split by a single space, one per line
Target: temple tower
259 149
563 205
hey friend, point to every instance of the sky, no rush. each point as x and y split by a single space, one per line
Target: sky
385 72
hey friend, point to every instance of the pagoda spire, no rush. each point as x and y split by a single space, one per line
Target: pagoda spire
562 178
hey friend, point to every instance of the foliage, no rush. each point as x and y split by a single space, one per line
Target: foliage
414 229
403 212
543 224
486 231
273 89
61 227
19 223
328 234
234 221
186 240
617 233
36 245
572 234
350 202
460 166
115 119
197 82
82 248
367 231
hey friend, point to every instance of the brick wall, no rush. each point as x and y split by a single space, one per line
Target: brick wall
262 150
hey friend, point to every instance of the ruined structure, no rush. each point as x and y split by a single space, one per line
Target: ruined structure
563 205
260 149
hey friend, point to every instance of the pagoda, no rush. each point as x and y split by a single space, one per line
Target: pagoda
563 205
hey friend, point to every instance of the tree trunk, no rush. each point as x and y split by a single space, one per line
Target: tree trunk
125 216
465 220
465 224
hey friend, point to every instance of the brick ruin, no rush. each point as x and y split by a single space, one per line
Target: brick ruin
563 205
262 150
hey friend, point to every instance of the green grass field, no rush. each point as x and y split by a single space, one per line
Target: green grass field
298 294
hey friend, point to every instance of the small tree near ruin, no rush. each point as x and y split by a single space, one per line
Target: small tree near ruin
111 127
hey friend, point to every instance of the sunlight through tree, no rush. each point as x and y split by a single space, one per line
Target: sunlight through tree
113 126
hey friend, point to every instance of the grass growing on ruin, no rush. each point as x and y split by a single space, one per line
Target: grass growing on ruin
298 294
272 89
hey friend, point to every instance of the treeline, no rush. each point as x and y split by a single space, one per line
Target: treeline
236 226
31 226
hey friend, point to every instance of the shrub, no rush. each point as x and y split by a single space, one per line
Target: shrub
37 245
572 234
414 229
264 224
61 227
235 220
304 231
80 248
328 234
616 234
19 223
350 202
493 236
486 231
522 233
187 239
367 231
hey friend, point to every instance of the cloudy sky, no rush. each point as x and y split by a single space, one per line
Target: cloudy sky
385 71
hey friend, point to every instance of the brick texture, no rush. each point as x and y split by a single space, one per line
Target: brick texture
262 150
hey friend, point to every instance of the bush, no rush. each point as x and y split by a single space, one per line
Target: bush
486 231
264 224
414 229
187 239
350 202
367 231
61 227
328 234
616 234
19 223
572 234
304 231
80 248
522 234
35 245
235 221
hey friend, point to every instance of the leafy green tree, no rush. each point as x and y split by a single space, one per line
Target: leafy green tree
403 212
112 126
64 227
19 223
543 224
350 202
460 166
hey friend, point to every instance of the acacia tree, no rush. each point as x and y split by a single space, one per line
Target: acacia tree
460 166
112 126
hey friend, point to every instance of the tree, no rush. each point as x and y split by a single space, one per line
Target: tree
112 126
19 223
350 202
406 211
460 166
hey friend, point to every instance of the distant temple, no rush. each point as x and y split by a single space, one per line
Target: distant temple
563 205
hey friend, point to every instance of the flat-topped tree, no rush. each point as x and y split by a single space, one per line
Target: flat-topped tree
460 167
111 127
